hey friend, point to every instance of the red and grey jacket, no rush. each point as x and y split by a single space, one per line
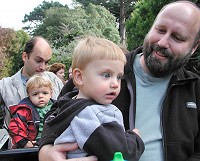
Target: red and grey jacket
24 123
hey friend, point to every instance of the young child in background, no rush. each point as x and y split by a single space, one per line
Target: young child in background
26 122
86 116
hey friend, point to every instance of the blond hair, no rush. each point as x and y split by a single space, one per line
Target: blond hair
95 48
37 81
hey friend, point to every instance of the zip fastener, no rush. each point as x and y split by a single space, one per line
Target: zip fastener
162 121
163 132
34 125
131 106
176 83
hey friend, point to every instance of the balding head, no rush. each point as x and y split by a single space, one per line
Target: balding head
40 41
186 10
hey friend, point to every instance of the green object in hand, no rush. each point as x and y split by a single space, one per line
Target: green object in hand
118 157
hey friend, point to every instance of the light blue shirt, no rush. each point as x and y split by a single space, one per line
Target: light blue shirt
150 93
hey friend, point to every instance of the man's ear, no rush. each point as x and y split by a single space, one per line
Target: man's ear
24 56
195 47
77 76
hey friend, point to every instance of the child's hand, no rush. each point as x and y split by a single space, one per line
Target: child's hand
137 132
30 144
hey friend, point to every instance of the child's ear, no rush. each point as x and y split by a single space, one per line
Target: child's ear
77 76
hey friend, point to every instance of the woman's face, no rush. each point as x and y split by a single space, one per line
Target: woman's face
61 74
70 73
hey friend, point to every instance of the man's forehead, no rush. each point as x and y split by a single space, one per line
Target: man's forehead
181 9
41 53
42 57
186 15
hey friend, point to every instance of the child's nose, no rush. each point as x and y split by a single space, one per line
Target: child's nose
115 83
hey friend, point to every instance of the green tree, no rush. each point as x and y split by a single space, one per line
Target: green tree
11 43
112 5
91 20
121 9
37 16
19 41
67 24
6 36
51 26
63 27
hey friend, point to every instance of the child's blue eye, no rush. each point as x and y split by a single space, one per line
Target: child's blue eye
119 77
106 75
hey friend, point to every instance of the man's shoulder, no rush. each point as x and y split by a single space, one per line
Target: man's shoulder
52 76
131 55
6 79
10 79
54 79
187 74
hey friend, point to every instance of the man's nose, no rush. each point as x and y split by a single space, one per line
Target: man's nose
164 41
43 66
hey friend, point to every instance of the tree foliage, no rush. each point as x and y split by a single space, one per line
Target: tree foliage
21 37
63 27
51 26
6 36
37 16
121 9
11 43
112 5
91 20
63 23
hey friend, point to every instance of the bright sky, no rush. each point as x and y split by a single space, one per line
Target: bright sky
12 11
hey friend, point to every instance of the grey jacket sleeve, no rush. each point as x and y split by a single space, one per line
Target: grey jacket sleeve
99 131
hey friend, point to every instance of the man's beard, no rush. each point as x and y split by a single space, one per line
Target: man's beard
157 67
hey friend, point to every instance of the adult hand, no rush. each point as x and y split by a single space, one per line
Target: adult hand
137 132
30 144
59 152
